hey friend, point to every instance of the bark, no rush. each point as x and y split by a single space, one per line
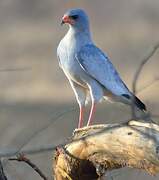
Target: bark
94 150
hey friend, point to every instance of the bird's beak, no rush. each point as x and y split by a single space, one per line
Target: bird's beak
67 19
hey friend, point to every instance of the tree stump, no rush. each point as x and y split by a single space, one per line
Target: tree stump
94 150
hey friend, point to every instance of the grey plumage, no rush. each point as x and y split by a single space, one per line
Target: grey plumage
87 68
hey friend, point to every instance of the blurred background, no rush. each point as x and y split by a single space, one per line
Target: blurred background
36 101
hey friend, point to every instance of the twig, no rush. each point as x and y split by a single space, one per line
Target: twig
2 174
138 72
143 62
40 149
22 158
52 120
152 83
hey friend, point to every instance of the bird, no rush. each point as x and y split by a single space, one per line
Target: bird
88 69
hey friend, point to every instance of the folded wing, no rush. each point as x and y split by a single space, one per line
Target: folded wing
95 63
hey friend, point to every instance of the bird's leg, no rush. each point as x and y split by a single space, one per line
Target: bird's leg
91 115
81 115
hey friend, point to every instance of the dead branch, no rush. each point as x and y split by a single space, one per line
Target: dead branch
143 62
100 148
149 85
22 158
2 174
138 72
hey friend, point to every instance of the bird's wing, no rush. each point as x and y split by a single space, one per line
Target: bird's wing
95 63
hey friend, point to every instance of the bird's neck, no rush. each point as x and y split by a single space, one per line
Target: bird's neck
80 35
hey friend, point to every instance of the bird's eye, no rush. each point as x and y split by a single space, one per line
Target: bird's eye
74 17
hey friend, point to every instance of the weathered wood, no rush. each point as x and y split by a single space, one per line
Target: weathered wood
99 148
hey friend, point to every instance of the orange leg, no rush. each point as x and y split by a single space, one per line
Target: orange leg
80 122
91 115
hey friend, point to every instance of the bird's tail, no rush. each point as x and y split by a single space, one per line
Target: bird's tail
139 104
143 114
140 108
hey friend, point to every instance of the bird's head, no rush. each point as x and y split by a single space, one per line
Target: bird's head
76 18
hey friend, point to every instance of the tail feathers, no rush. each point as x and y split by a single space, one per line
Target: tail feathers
140 104
137 101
